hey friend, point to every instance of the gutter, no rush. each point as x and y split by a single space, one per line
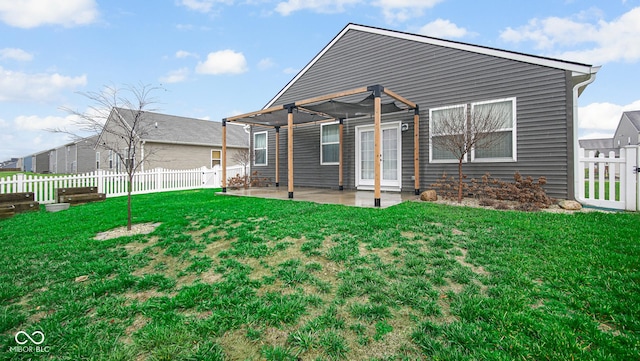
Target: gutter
576 144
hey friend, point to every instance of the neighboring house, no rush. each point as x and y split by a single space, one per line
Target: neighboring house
41 162
173 142
628 131
75 157
539 94
599 146
27 163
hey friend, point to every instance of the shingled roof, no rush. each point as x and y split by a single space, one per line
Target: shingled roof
165 128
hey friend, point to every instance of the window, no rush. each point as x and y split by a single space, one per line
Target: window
330 144
260 148
215 158
97 160
446 132
110 159
503 141
453 125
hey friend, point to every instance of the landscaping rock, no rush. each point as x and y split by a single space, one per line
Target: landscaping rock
570 205
429 196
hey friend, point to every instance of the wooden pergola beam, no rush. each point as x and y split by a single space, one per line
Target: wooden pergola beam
224 156
257 112
290 151
400 98
322 98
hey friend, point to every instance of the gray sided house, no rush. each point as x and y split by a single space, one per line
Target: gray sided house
40 162
539 94
628 131
74 158
172 142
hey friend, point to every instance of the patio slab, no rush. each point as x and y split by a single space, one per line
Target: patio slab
325 196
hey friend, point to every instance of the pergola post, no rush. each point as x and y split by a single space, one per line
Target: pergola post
290 148
341 167
377 138
416 150
277 156
224 156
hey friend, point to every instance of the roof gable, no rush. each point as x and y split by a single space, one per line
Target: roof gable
165 128
633 117
578 69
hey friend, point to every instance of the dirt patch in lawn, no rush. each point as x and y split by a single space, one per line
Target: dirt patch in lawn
141 228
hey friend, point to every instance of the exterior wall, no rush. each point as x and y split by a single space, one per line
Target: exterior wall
179 156
85 156
434 76
27 163
626 134
41 161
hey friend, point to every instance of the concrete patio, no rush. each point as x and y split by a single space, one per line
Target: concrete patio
325 196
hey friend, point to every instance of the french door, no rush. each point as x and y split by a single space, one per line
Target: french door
391 166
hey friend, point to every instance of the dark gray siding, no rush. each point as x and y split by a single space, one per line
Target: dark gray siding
434 76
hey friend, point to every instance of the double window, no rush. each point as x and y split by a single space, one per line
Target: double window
489 125
215 158
260 148
330 144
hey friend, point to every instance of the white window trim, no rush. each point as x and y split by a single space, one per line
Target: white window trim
214 159
431 160
266 149
514 136
322 143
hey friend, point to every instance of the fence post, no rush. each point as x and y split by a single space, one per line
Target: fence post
158 179
631 181
20 182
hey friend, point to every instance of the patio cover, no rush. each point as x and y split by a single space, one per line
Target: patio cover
326 108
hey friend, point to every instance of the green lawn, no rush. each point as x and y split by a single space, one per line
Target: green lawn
227 278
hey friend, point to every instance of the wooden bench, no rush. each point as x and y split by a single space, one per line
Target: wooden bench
79 195
12 203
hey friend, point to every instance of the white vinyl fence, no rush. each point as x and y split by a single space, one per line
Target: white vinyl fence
610 182
115 184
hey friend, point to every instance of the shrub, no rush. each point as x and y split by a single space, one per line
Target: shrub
525 190
246 181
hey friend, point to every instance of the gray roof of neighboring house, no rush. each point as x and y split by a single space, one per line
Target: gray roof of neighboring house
596 144
181 130
634 118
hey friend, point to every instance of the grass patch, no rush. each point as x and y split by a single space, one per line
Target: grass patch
240 278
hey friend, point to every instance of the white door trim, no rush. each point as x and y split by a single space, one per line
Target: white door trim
386 185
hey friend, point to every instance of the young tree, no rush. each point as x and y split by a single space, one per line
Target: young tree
119 117
456 131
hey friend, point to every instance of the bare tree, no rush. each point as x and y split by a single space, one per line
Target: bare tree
119 118
457 131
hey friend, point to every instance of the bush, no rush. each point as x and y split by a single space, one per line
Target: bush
525 190
246 181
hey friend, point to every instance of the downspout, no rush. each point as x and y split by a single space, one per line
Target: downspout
576 144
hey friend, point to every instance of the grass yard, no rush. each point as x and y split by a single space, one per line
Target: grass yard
226 278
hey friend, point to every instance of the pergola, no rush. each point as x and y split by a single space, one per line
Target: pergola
326 108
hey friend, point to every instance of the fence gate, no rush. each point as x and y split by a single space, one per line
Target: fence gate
610 181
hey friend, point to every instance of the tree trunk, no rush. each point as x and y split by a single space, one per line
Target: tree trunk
460 180
129 202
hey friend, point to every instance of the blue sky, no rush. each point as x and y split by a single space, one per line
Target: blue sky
216 58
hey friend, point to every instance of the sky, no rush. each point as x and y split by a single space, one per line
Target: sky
212 59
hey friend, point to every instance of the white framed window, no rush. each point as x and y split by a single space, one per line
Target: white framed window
216 156
503 147
260 151
330 143
97 160
110 159
439 132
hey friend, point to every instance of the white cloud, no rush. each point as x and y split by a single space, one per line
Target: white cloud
265 64
223 62
181 54
203 6
320 6
290 71
601 119
15 54
441 28
18 86
402 10
36 123
175 76
34 13
597 42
